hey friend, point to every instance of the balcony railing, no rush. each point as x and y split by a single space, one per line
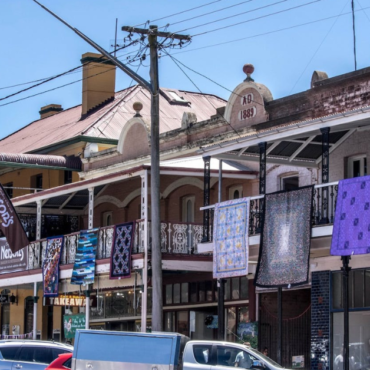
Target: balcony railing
323 210
175 238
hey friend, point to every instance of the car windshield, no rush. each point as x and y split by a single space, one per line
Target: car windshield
265 358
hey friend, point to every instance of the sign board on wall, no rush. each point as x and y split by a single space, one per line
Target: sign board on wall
12 262
297 362
72 323
69 300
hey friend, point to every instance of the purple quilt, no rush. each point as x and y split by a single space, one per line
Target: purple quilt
351 232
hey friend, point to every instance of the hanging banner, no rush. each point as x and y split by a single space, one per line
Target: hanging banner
230 238
120 264
285 239
352 218
84 267
12 262
50 267
72 323
10 224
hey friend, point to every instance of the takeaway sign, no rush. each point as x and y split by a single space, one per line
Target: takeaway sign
69 300
12 262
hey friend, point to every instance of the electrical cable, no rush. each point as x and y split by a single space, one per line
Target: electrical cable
363 9
318 48
266 33
175 61
55 88
354 32
253 19
203 15
232 16
182 12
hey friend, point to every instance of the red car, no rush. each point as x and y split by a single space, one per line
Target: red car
62 362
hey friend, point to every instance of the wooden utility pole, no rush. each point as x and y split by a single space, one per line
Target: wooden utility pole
157 304
153 88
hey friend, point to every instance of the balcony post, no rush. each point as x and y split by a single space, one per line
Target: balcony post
262 183
325 132
91 208
345 290
35 299
38 220
206 197
144 247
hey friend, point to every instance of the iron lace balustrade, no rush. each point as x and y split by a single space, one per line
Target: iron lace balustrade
256 216
176 238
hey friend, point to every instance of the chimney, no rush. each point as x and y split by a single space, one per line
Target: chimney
98 84
50 110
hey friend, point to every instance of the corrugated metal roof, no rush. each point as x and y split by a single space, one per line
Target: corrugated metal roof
108 121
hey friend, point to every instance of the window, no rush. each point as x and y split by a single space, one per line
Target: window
9 352
229 356
289 183
36 182
235 192
42 355
202 353
67 177
188 209
107 219
9 189
168 294
68 363
357 166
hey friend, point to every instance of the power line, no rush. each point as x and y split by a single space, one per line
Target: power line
318 48
182 12
203 15
175 61
55 88
61 74
363 9
253 19
232 16
266 33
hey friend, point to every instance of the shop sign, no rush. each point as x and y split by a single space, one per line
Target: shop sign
72 323
297 362
4 298
12 262
69 300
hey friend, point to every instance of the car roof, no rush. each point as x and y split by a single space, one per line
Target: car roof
42 343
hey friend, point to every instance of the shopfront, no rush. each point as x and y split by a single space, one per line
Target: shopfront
359 319
190 307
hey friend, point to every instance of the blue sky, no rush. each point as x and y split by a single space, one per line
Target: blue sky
35 45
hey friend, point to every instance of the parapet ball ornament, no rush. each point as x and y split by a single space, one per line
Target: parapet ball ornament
248 69
138 106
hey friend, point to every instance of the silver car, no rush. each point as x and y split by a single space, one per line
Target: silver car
29 354
214 355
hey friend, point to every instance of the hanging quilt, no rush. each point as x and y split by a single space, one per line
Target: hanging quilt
120 266
50 267
84 267
230 238
351 231
285 239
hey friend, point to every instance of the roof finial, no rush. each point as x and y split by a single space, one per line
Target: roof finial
138 106
248 69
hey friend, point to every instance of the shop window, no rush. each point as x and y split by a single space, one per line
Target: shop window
169 321
359 292
184 293
182 324
202 291
244 285
28 315
357 166
5 318
193 292
235 288
9 189
236 192
176 293
169 294
289 182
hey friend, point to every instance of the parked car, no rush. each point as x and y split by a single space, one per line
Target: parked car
62 362
29 354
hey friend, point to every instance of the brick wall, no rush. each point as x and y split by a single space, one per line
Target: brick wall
320 320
